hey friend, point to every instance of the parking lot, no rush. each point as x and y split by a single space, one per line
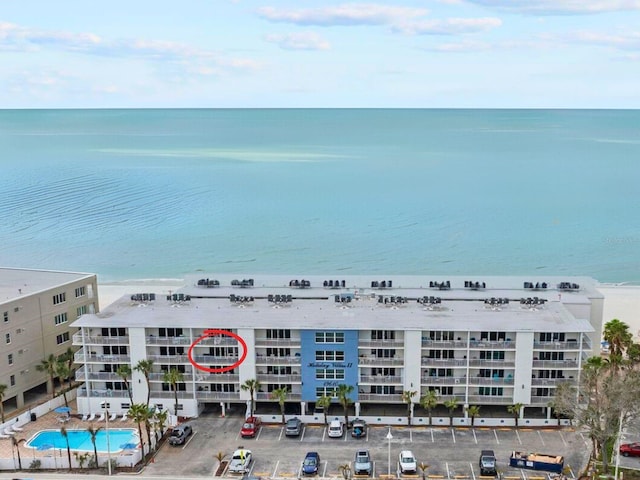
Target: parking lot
449 453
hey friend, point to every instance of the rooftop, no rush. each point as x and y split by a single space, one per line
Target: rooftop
19 282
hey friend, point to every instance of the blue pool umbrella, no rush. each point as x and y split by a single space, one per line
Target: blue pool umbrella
62 410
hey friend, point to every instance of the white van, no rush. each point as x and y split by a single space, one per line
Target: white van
335 429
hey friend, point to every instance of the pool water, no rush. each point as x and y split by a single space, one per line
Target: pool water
80 440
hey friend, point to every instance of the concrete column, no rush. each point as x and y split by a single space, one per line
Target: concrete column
303 408
222 406
357 405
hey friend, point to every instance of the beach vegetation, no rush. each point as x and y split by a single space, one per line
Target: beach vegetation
451 405
429 401
324 403
251 385
342 392
280 394
145 367
407 397
173 377
3 391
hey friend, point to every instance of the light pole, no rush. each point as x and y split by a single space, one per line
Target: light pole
104 405
389 437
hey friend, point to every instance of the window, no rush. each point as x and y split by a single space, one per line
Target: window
387 372
383 389
278 370
278 333
115 386
330 374
278 352
10 359
5 315
171 350
222 387
114 350
489 355
60 318
383 335
329 337
441 354
62 338
7 338
552 337
490 391
81 310
81 292
114 332
59 298
384 353
329 356
441 336
12 380
493 336
326 392
441 372
170 332
223 351
180 387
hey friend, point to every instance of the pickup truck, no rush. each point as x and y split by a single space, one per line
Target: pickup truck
537 461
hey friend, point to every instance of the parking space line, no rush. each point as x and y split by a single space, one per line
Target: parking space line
563 440
411 435
304 429
324 471
432 439
474 436
518 435
259 432
541 439
453 435
495 432
188 441
473 474
280 436
276 469
447 467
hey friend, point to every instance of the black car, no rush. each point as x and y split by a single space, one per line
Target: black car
358 428
180 434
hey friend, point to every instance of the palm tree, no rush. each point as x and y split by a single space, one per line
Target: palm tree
280 394
407 397
62 371
473 411
617 334
49 365
145 367
65 434
345 469
220 456
15 443
161 421
451 405
68 357
515 411
429 401
251 385
146 418
137 413
342 392
93 431
124 372
324 402
423 468
3 390
173 377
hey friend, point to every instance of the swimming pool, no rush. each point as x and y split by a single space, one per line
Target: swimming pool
80 440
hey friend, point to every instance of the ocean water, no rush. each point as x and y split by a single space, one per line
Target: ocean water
137 194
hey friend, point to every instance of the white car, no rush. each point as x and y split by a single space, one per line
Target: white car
407 462
240 461
335 430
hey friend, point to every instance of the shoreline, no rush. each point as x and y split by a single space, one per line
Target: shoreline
622 301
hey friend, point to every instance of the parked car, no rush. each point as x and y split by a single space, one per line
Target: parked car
250 427
362 463
407 462
293 428
179 434
487 463
335 430
311 463
630 449
358 428
240 461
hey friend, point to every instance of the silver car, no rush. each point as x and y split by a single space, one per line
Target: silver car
240 461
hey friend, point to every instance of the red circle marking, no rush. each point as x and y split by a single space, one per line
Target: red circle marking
213 333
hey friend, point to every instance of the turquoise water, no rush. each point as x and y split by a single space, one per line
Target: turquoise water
132 194
80 440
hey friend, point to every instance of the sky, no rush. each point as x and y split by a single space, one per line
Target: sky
320 54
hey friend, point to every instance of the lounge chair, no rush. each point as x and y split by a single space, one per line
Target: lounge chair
113 417
91 418
16 428
85 417
100 418
125 417
4 437
8 432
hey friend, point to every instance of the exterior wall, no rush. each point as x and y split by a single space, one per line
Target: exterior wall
522 377
412 354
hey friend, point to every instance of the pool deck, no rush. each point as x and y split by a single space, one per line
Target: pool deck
50 422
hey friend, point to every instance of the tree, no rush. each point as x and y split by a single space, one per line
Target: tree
342 392
173 377
49 365
161 421
515 410
280 394
251 385
65 434
68 357
451 405
429 401
93 432
617 334
3 390
473 411
220 456
124 372
145 367
345 469
407 397
15 443
137 412
423 468
324 402
62 371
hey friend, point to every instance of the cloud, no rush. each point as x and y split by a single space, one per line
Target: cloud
299 41
620 41
18 38
560 7
345 14
450 26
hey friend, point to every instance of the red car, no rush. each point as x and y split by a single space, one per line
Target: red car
250 427
630 449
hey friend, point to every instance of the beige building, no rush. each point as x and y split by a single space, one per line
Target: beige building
37 308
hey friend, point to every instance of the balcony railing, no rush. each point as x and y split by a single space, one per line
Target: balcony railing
492 344
557 364
491 363
272 377
273 360
566 345
443 362
265 396
380 397
277 342
79 339
551 381
381 344
153 340
217 377
380 361
217 396
82 376
82 392
491 381
159 377
94 357
542 400
444 380
490 400
380 379
427 342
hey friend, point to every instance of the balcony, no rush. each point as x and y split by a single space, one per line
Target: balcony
273 360
159 377
568 345
217 396
381 344
380 397
217 377
380 379
266 396
153 340
490 400
82 376
93 357
551 381
444 362
84 393
556 364
490 363
277 342
444 380
170 359
372 360
498 381
543 401
439 344
275 378
492 344
79 339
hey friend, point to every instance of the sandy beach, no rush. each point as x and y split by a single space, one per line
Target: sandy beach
621 301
